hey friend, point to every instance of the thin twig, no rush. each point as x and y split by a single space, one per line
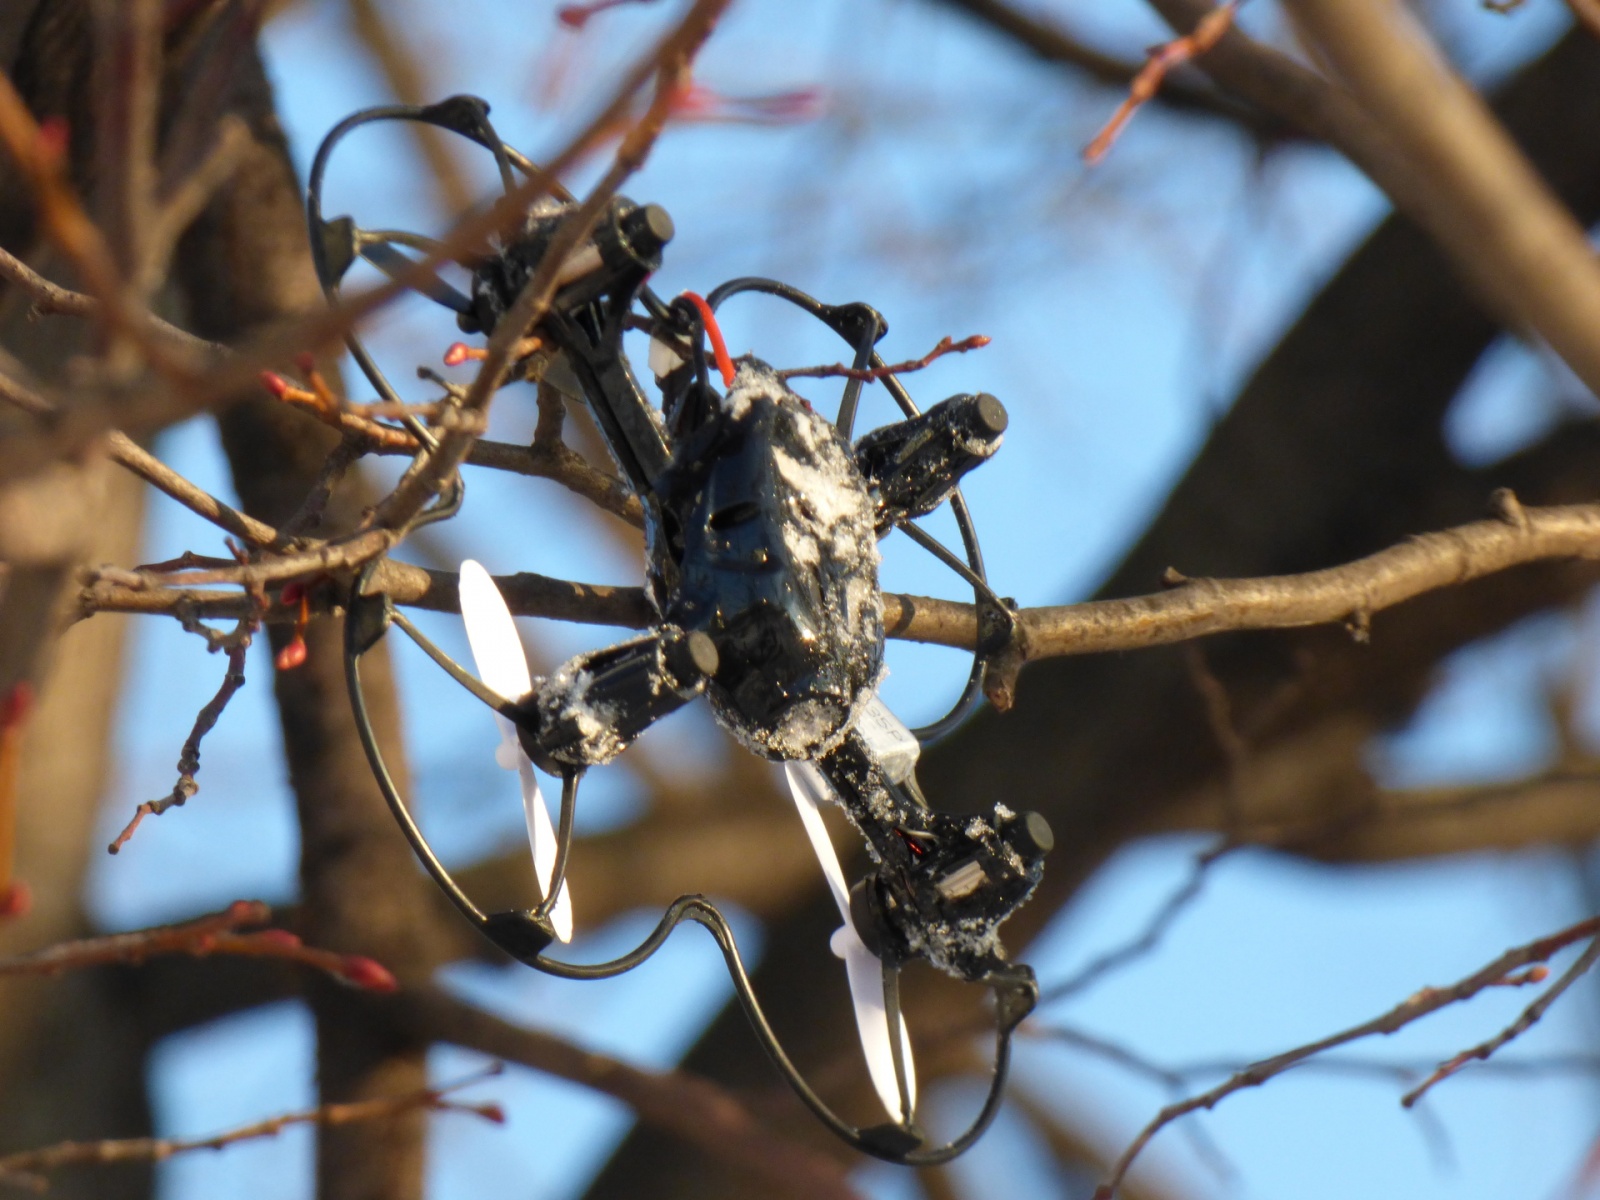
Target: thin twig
1373 1068
18 394
1428 1000
130 454
52 299
189 756
872 374
1137 947
334 468
188 199
22 1169
1147 83
1526 1020
218 933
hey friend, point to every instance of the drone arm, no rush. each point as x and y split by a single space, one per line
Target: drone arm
914 465
936 874
591 708
619 406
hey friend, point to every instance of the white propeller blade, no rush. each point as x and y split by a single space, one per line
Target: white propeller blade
497 651
810 791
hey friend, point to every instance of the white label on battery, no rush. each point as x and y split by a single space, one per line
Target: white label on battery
891 743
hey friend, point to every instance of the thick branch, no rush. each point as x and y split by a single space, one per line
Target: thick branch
1192 608
1493 213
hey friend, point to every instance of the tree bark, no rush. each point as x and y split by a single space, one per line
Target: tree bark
245 264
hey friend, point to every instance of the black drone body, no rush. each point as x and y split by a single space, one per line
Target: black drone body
762 532
762 525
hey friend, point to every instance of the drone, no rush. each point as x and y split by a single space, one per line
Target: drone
762 522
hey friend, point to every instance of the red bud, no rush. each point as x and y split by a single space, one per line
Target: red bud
14 711
460 352
54 134
278 937
243 912
367 974
16 900
291 656
275 383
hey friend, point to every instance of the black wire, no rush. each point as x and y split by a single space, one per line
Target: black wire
558 873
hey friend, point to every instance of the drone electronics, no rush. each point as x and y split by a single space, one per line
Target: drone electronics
762 522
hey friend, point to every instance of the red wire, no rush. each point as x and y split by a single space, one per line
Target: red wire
719 348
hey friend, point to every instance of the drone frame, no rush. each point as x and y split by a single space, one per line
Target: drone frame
525 934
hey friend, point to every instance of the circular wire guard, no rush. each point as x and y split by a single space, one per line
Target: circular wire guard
525 935
520 936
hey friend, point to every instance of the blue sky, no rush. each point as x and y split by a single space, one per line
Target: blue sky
1125 305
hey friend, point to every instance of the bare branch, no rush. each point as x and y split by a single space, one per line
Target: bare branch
946 345
214 934
1494 215
1192 608
1429 1000
1587 13
23 1168
1351 594
153 471
189 756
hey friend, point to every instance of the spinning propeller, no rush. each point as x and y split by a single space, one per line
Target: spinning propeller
864 968
502 665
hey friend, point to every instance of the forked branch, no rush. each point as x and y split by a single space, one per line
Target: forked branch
1519 966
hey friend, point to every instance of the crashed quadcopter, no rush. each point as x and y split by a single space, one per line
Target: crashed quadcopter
762 522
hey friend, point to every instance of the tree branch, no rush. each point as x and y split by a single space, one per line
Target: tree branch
23 1168
1350 594
218 933
1049 42
125 451
1429 1000
1494 215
